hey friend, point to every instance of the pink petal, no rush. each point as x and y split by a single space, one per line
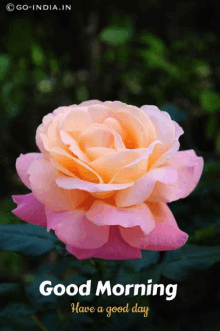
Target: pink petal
165 236
115 249
54 218
178 130
23 163
90 103
74 229
101 213
143 187
163 124
44 187
189 169
29 209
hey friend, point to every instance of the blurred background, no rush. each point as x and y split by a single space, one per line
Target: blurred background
148 52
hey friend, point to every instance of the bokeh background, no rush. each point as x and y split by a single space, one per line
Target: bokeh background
143 52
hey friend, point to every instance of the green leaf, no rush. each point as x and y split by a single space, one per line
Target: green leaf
148 258
4 65
36 298
6 215
154 42
153 272
156 60
201 234
217 142
115 35
190 259
26 239
16 311
211 127
38 56
210 101
9 288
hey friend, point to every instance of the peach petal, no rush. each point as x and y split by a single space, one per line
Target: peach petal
96 152
101 213
42 181
77 119
143 187
99 135
165 155
46 144
56 163
23 163
29 209
137 135
96 135
40 142
74 165
136 168
98 113
76 230
113 124
108 166
165 236
53 133
115 249
73 146
138 113
103 195
63 109
75 183
90 103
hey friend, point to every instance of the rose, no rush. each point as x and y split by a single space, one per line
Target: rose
103 179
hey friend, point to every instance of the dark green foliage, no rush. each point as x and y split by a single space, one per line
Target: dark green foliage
27 239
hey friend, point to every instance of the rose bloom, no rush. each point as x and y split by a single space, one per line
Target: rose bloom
103 179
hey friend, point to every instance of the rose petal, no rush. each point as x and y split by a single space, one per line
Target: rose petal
189 169
42 179
90 103
64 109
23 163
96 152
165 236
73 165
75 121
138 113
142 187
160 155
165 129
136 168
137 135
99 135
73 146
29 209
53 134
109 165
75 183
178 130
102 213
76 230
114 125
115 249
